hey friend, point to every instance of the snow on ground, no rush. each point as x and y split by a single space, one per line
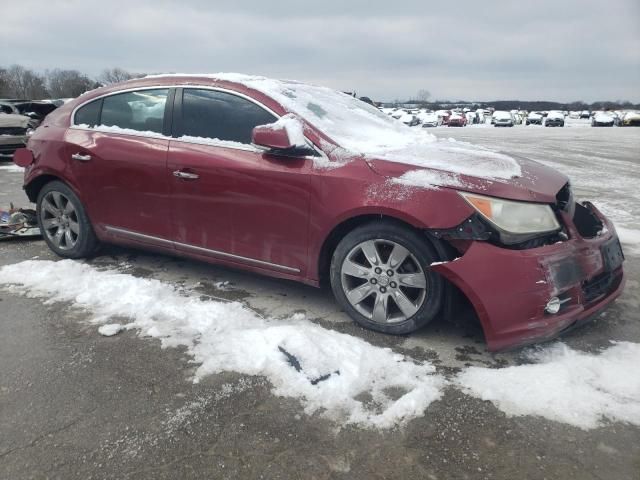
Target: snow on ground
336 375
340 377
12 168
565 385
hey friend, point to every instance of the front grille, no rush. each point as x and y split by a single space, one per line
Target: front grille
13 131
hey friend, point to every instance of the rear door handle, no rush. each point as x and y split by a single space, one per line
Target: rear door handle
186 175
80 157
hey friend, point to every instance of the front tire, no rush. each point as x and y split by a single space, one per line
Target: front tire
64 223
380 276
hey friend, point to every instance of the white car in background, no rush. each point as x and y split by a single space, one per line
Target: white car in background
502 119
429 119
602 119
409 119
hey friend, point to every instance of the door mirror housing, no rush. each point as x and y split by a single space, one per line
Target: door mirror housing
284 137
273 137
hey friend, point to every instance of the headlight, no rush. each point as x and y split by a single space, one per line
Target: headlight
29 132
519 218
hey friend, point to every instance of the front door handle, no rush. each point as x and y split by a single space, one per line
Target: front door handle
80 157
186 175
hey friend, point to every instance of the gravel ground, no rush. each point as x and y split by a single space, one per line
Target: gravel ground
74 404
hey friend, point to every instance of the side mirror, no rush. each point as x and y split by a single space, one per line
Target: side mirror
273 137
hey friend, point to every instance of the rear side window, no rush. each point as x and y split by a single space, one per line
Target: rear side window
88 114
221 115
142 110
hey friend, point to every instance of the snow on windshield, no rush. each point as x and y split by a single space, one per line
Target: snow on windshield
363 129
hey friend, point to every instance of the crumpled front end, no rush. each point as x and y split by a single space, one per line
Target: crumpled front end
522 296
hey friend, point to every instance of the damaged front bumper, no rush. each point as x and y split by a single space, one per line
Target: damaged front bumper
511 289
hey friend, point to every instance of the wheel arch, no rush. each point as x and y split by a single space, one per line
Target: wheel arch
32 189
343 228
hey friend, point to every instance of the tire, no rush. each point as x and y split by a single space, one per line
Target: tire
58 204
384 285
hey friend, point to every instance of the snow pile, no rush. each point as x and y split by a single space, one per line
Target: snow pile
110 329
363 129
565 385
338 376
294 128
216 142
123 131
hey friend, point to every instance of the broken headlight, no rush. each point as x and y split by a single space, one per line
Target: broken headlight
515 221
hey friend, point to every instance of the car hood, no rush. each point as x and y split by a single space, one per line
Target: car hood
13 120
484 172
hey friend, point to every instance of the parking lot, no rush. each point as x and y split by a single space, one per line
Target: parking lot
75 404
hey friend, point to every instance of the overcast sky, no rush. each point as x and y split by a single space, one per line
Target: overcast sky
560 50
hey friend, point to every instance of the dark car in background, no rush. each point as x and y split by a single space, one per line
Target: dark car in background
36 110
554 118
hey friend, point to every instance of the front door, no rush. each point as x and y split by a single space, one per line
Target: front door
230 200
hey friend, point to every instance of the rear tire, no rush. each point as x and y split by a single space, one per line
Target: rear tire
380 276
64 223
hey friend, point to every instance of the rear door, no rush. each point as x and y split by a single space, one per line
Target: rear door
118 151
231 200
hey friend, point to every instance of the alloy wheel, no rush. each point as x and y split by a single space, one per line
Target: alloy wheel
60 220
383 281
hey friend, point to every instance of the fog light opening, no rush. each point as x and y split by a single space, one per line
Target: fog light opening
553 306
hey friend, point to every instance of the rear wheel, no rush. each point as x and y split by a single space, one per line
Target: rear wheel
380 275
64 222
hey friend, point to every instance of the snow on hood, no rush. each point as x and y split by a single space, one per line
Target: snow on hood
363 129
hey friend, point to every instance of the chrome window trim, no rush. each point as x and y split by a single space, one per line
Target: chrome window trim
194 248
249 147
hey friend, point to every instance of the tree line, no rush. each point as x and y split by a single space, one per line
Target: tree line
17 81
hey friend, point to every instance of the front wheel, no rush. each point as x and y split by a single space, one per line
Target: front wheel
64 222
380 275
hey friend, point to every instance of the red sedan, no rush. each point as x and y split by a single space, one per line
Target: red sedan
306 183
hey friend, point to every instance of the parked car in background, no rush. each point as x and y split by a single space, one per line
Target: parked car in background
471 117
13 131
502 119
554 118
36 110
534 118
457 120
585 114
444 116
602 119
429 119
409 119
631 119
239 165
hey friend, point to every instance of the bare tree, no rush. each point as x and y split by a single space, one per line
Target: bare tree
67 83
423 96
4 84
24 83
116 75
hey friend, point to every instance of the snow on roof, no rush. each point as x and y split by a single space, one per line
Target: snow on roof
363 129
